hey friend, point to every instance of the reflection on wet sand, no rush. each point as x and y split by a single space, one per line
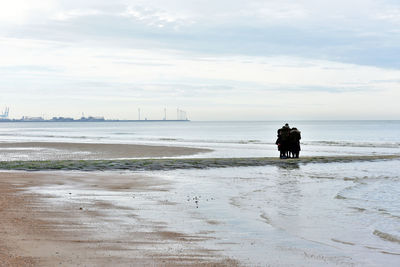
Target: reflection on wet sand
97 220
279 214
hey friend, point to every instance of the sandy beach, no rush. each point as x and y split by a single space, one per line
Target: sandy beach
148 209
85 151
35 231
41 230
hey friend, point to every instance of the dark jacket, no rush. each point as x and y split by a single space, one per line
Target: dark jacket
295 135
285 133
294 139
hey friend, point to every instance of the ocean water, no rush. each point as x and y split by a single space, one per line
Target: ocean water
227 139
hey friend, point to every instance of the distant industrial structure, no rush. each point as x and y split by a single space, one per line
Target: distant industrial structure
59 119
181 116
27 118
4 115
62 119
90 118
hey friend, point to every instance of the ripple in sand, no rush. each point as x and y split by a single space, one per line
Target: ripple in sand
386 236
342 242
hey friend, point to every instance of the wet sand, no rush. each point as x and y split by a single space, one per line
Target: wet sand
44 222
179 163
193 217
44 230
85 151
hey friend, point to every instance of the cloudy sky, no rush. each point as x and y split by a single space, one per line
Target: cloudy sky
218 60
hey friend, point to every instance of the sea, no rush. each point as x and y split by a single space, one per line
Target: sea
226 139
315 214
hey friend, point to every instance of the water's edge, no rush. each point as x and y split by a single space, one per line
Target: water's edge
180 163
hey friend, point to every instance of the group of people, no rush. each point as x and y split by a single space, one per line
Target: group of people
288 142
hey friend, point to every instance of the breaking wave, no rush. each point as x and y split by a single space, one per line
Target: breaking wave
354 144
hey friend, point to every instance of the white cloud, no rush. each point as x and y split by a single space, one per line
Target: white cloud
219 56
283 12
155 17
391 14
76 13
93 62
20 11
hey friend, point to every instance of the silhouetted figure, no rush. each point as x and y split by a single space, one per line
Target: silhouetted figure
279 144
283 141
294 142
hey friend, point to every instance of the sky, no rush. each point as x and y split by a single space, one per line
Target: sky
217 60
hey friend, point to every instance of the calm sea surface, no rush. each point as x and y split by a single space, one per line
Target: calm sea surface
321 214
228 139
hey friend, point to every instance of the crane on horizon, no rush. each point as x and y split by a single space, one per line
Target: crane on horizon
5 113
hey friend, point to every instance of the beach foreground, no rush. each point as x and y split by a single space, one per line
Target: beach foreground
41 230
123 209
338 213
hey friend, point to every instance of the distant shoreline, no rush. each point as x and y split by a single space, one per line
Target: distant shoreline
94 120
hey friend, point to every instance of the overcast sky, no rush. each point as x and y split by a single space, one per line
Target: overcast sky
218 60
